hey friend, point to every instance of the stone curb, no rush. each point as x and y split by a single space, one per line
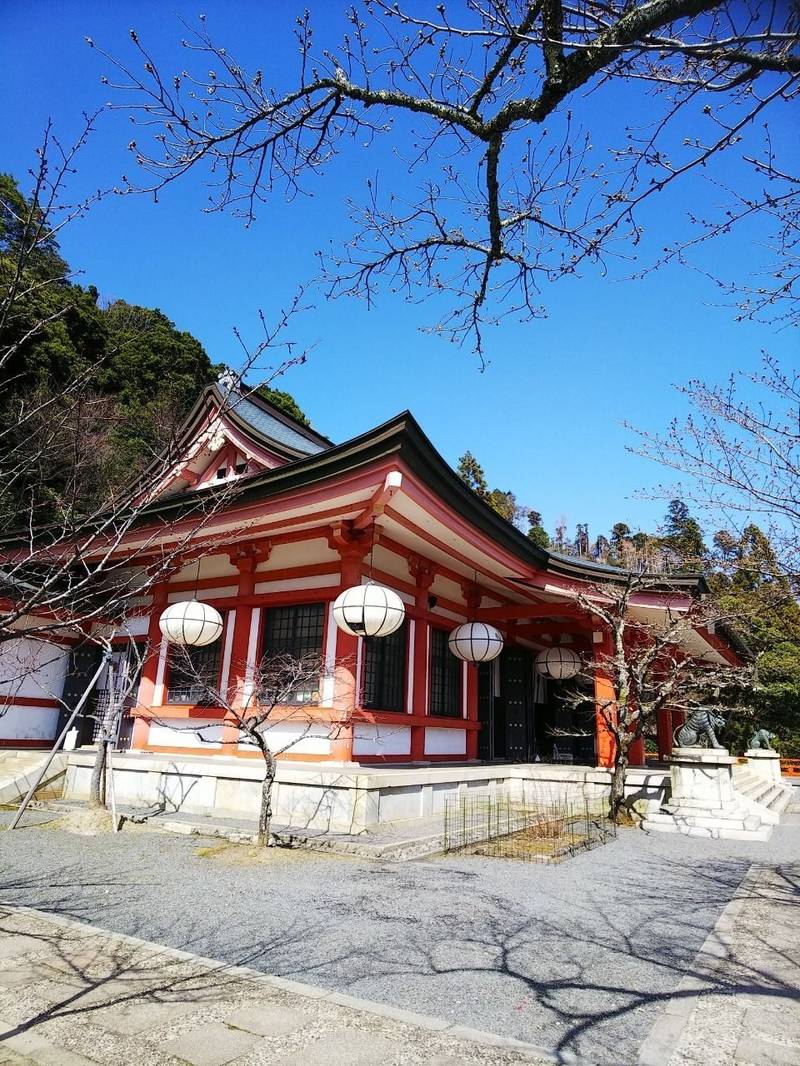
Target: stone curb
662 1040
367 1006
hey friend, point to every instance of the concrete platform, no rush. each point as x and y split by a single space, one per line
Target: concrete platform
342 797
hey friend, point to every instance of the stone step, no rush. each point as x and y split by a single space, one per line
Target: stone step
16 778
768 798
722 825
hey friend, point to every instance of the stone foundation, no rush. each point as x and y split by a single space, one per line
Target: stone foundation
346 797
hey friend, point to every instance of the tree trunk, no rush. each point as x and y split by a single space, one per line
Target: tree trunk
265 814
97 792
617 809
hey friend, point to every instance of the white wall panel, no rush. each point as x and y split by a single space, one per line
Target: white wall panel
445 741
381 740
32 668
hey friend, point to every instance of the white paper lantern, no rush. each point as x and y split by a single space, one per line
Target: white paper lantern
558 663
475 642
368 611
191 622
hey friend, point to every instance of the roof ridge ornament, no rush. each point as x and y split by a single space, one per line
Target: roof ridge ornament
230 380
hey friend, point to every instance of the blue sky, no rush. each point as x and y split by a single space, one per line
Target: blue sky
545 417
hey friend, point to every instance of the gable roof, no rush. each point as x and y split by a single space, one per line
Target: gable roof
262 420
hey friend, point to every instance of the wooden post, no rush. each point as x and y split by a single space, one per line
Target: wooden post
604 695
246 560
472 598
353 547
423 574
147 684
664 729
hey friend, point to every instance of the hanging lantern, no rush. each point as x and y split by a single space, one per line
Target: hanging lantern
368 611
558 663
475 642
191 623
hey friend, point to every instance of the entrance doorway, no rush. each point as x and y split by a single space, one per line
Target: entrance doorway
505 707
527 719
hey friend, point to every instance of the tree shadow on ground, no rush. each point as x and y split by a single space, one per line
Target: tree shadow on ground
584 982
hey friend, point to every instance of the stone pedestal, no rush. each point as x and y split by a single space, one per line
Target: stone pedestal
702 778
764 764
703 801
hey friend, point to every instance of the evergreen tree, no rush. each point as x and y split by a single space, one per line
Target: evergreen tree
471 473
758 598
284 401
537 534
683 538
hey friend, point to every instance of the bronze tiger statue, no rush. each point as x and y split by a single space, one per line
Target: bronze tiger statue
700 728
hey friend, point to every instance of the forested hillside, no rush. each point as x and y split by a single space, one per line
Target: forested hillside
121 377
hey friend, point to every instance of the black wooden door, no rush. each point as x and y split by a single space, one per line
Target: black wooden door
516 674
83 663
486 710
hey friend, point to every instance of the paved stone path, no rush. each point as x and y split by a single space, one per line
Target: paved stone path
740 1003
73 995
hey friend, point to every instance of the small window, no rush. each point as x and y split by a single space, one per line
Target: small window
385 671
241 468
222 473
194 675
445 685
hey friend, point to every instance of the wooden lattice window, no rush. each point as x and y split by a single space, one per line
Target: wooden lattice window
295 631
194 675
385 671
445 682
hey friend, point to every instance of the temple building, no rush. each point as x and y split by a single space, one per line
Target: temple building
268 522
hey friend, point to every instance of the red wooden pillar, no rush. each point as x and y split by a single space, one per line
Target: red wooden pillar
664 729
636 752
605 704
147 685
352 547
472 597
245 559
423 574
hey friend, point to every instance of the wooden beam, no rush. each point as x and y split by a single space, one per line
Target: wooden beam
554 628
527 610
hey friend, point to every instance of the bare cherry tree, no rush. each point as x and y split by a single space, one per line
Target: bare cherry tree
740 456
283 690
648 661
493 108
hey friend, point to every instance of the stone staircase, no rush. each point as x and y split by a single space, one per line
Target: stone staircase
713 795
18 769
767 799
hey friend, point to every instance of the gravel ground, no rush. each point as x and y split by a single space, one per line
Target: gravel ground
578 957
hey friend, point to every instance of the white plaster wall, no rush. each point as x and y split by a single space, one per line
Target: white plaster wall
135 626
381 740
210 566
168 733
445 741
321 581
204 594
299 553
32 668
314 741
28 723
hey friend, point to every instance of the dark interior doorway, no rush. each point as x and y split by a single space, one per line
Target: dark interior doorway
525 719
505 707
